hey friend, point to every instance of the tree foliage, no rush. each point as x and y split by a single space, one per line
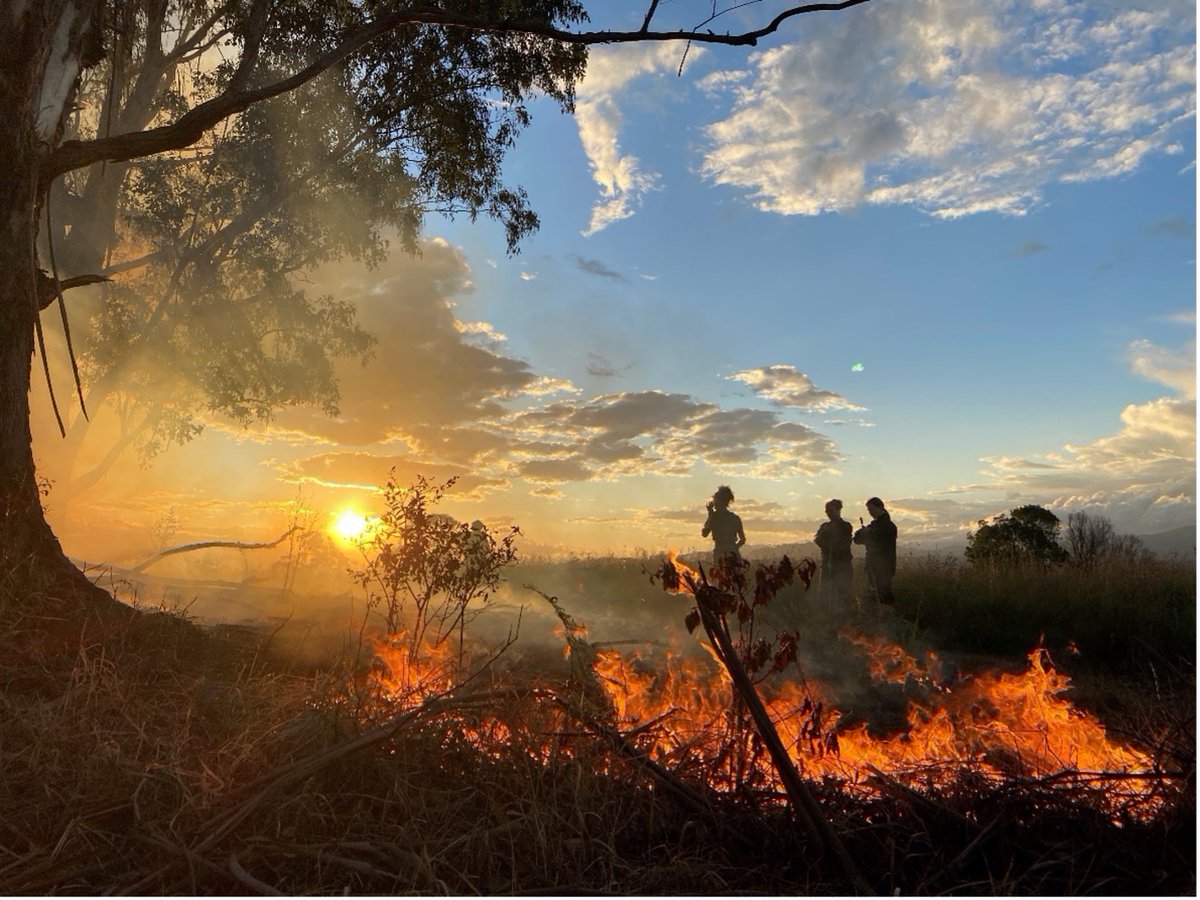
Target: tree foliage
1027 534
208 248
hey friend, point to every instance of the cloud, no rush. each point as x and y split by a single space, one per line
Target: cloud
956 108
784 385
367 471
622 181
1172 226
1174 368
554 471
621 435
1184 317
429 369
1143 476
1029 248
596 267
600 367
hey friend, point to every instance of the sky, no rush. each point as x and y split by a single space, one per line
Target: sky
936 251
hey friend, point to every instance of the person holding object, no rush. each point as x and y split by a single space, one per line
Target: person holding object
880 540
724 526
833 537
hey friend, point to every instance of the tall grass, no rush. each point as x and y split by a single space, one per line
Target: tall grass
1116 617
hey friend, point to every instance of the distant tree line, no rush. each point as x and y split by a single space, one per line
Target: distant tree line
1033 535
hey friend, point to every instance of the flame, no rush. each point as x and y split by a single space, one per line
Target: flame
891 662
679 707
403 678
686 578
998 724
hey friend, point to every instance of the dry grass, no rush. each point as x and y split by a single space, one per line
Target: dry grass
155 757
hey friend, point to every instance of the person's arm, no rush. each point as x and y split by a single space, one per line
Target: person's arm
862 535
741 535
707 525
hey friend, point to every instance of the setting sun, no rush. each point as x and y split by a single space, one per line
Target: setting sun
350 526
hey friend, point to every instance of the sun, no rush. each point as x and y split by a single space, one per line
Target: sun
350 526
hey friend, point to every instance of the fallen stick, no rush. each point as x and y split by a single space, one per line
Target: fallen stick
204 545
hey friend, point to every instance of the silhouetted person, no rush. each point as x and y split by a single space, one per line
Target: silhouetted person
880 540
724 526
833 537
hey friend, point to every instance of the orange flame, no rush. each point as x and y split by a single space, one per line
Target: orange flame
680 707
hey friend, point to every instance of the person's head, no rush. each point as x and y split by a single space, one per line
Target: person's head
833 509
875 507
723 497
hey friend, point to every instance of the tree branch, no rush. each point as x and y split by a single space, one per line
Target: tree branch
191 126
48 291
204 545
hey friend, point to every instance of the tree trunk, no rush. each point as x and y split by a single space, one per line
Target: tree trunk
41 48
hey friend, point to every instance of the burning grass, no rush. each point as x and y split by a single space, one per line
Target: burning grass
156 757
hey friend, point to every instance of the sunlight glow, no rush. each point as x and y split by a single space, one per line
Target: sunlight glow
350 526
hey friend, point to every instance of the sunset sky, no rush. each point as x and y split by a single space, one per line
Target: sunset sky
939 251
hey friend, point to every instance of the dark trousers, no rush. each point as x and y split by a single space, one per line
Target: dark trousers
880 579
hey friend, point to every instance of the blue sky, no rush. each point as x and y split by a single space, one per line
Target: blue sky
1020 274
990 206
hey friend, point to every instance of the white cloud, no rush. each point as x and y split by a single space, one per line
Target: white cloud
956 108
1174 368
785 386
622 180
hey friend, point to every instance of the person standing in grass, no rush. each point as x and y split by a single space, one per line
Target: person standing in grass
880 540
725 527
833 537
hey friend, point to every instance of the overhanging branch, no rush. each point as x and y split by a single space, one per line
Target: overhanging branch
191 126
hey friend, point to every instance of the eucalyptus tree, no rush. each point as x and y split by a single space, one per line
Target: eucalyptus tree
196 141
202 245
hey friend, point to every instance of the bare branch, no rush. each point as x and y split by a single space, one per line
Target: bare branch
204 545
649 16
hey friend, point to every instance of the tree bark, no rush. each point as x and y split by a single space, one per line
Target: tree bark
40 47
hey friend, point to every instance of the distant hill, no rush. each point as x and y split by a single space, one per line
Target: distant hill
1176 542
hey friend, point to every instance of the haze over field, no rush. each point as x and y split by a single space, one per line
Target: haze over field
940 253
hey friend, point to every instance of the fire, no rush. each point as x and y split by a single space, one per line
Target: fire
403 678
1000 724
681 709
891 662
